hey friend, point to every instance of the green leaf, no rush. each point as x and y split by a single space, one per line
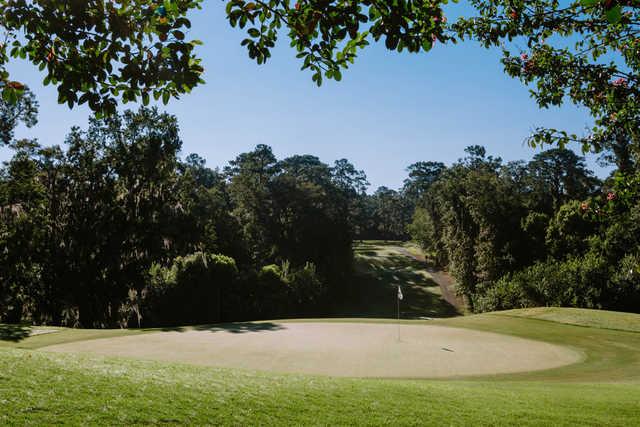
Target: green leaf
614 15
588 3
391 42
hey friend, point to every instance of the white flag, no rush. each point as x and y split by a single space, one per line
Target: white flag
399 293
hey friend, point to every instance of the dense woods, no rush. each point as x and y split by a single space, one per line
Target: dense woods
114 228
546 232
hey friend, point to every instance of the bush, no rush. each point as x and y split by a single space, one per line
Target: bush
286 291
575 282
624 289
505 294
306 287
272 291
569 230
191 290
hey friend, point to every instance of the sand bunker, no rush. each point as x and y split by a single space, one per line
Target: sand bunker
339 349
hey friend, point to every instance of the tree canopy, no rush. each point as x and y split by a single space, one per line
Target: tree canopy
99 52
115 228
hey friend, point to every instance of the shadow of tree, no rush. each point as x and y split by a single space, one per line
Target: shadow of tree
235 328
373 290
242 327
367 253
14 333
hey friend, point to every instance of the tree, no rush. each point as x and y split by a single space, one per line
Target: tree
392 213
24 109
348 178
327 34
307 168
311 216
584 51
557 176
249 175
90 221
353 184
421 176
619 150
98 52
22 235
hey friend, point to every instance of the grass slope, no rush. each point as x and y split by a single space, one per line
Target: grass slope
29 337
40 388
44 388
380 268
580 317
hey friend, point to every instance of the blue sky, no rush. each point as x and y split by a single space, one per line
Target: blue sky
390 109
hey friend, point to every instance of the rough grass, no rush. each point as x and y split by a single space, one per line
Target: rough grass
37 387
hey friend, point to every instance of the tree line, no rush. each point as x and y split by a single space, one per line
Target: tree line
114 228
540 233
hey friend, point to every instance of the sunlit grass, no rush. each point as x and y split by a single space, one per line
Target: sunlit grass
37 387
30 337
581 317
380 268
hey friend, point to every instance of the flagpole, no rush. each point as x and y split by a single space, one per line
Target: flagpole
398 299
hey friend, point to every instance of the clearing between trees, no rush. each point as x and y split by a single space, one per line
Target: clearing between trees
382 266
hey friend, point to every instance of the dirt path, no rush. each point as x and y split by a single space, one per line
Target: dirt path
446 283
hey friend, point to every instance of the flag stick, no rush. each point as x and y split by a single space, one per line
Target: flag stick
398 299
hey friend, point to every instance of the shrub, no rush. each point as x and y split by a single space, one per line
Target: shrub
575 282
274 292
191 290
569 230
624 289
306 288
282 291
505 294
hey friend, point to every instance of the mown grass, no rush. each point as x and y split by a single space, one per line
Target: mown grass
40 388
609 355
580 317
380 268
37 387
30 337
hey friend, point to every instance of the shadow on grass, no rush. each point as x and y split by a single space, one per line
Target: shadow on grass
367 253
235 328
373 289
14 333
